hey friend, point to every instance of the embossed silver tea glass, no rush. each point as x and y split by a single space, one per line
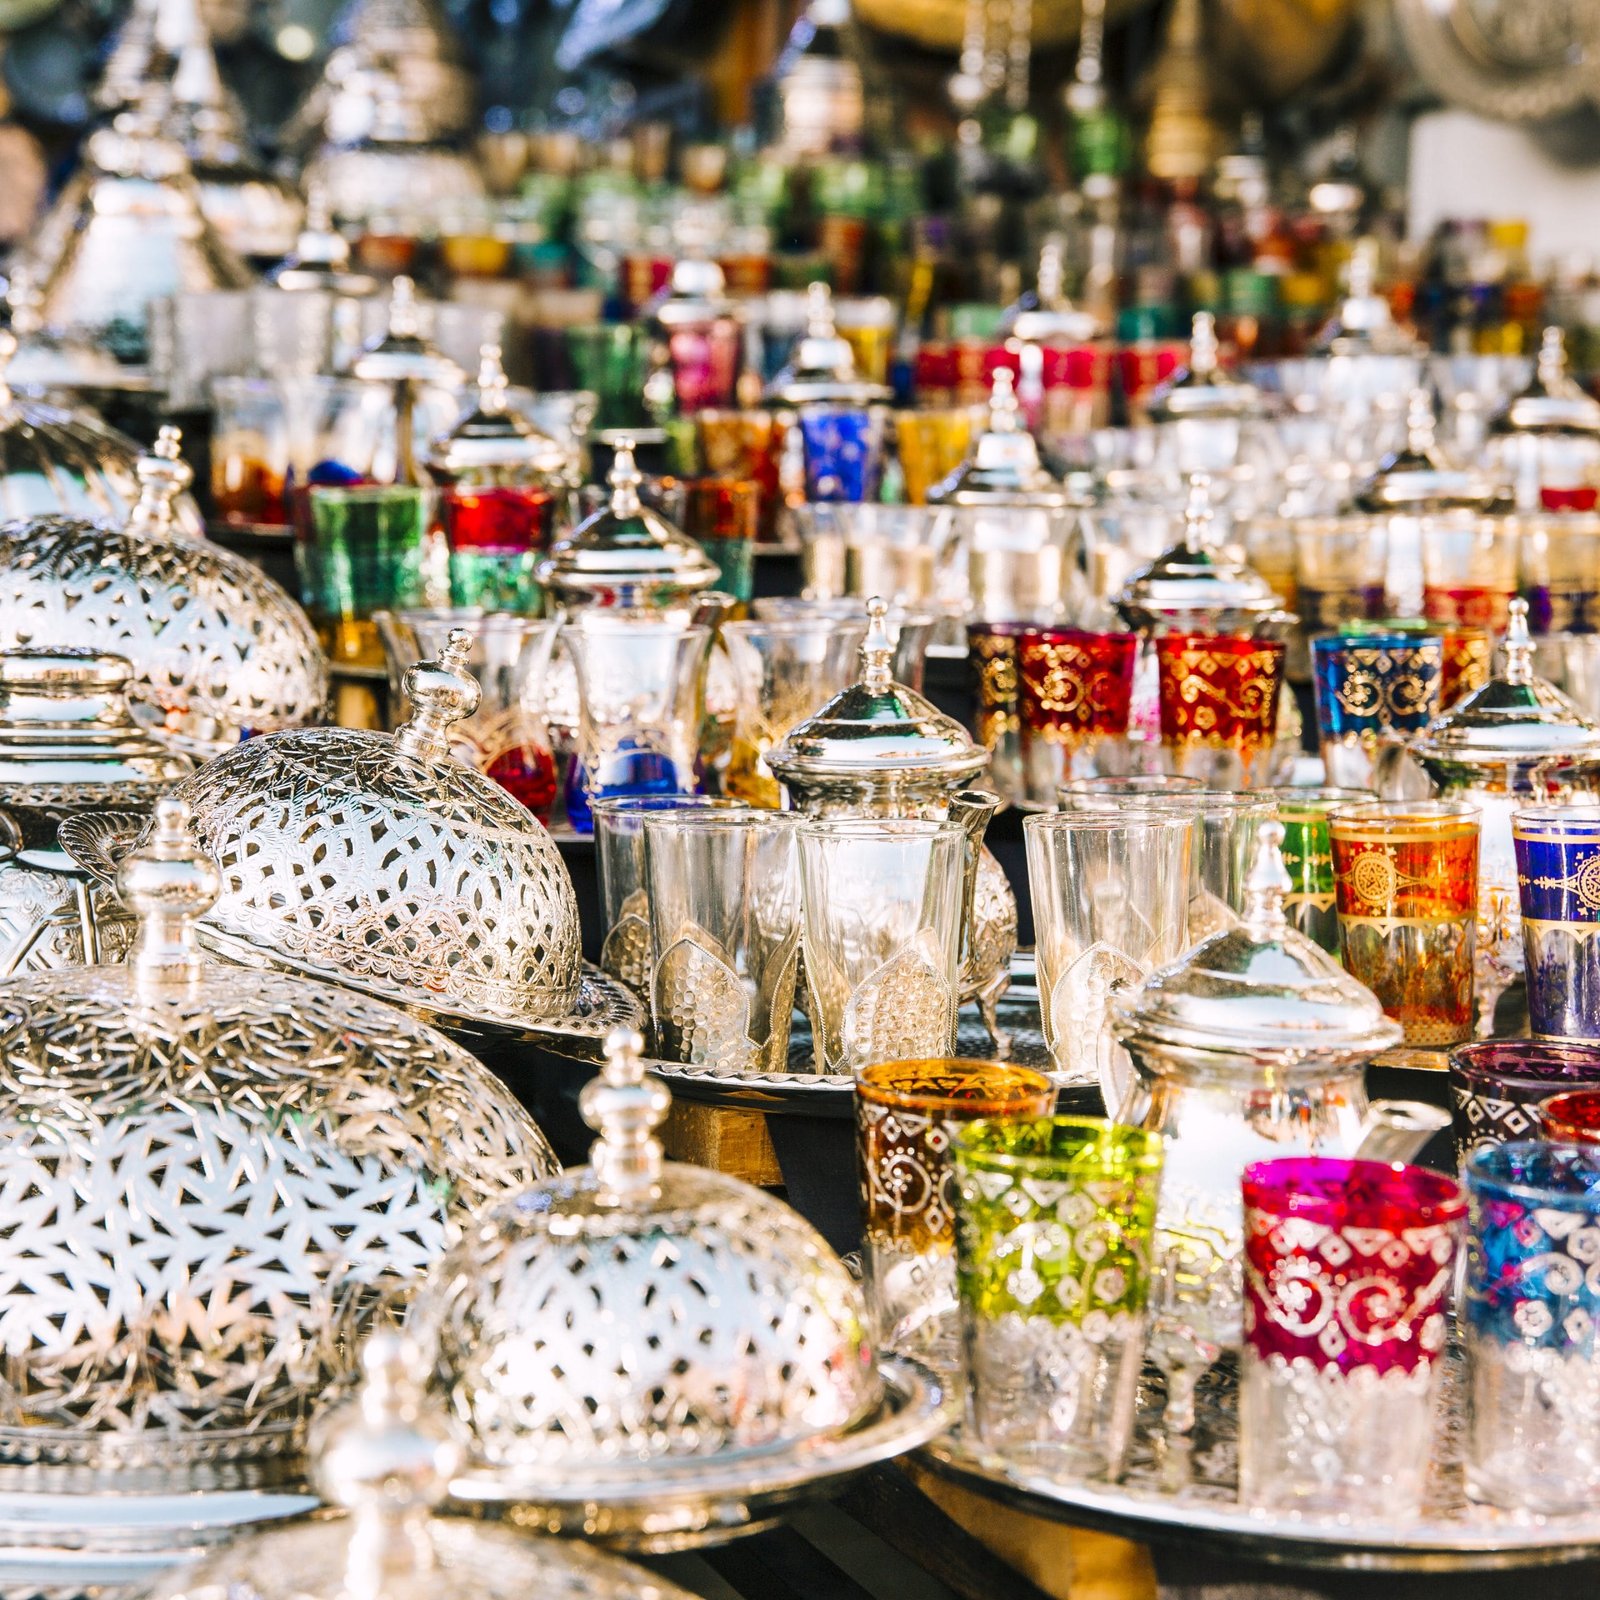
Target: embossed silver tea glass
619 848
724 893
882 902
1053 1256
217 1179
1110 902
654 1353
385 1458
1531 1316
907 1114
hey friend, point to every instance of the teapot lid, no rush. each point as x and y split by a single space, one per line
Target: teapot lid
1202 391
1364 323
401 353
1258 991
1553 402
1419 477
823 367
1516 715
1004 467
695 293
877 726
491 436
626 546
1198 574
1053 316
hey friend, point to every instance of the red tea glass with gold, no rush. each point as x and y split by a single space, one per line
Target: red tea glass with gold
721 515
1468 654
1469 570
907 1113
1219 706
1406 878
747 445
497 536
1347 1278
1075 698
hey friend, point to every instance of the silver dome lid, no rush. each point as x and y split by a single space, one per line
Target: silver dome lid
1202 391
1259 994
320 258
1004 467
491 444
822 368
402 353
1553 402
383 863
696 293
1364 325
218 650
385 1457
214 1180
1053 316
1419 477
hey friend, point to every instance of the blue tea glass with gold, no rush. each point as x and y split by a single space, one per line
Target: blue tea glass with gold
1558 882
843 453
1370 688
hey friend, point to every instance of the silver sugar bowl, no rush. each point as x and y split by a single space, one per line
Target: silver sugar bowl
67 745
879 749
656 1353
218 650
385 1458
213 1181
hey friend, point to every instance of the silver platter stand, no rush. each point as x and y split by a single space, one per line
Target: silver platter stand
1201 1509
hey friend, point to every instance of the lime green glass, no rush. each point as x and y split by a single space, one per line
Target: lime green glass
1054 1220
1308 858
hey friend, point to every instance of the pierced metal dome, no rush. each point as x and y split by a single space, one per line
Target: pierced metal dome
218 650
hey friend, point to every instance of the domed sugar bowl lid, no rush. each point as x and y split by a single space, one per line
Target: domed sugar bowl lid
491 444
1553 402
215 1181
218 650
383 863
402 353
1198 581
822 370
1202 391
1004 467
1515 717
695 294
654 1344
1259 994
386 1457
876 731
625 554
1419 477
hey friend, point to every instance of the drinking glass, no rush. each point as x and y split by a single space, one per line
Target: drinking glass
1076 692
1219 706
1348 1267
724 895
506 737
1371 689
250 450
624 899
1308 857
883 901
1406 880
1571 661
497 536
931 445
843 452
1531 1308
1498 1085
362 549
1053 1247
613 360
1467 650
1469 569
1558 883
1110 899
907 1113
720 514
910 631
784 671
1560 557
640 688
907 554
747 445
1104 789
1571 1118
1340 564
996 715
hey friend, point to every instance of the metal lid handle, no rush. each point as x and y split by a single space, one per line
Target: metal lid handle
163 475
1519 644
625 1106
441 692
1267 884
168 883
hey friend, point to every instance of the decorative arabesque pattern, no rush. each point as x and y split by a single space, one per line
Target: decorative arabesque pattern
206 1191
341 854
742 1331
218 649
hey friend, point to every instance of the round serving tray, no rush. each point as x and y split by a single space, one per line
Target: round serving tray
1204 1513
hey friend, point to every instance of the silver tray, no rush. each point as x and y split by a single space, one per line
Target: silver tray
1203 1510
681 1505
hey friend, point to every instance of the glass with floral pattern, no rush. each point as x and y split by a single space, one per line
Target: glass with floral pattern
1371 689
1053 1245
1219 706
1498 1085
1076 699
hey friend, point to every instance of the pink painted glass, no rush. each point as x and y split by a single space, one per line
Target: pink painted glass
1347 1274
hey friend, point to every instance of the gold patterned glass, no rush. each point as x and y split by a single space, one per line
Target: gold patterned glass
932 445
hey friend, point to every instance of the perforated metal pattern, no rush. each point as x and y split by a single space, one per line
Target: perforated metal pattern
206 1190
425 883
567 1336
218 650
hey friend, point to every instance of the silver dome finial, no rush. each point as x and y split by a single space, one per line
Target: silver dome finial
441 693
168 883
625 1106
877 649
624 478
1519 644
492 383
163 475
1268 882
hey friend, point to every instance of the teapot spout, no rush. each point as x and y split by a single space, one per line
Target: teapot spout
1396 1130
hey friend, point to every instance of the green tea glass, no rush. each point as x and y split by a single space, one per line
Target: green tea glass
1054 1221
613 360
1308 856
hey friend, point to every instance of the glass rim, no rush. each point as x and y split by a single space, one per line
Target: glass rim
1286 796
1103 821
1237 803
1137 1147
1268 1187
1376 814
370 491
1023 1083
1590 1094
579 627
882 827
795 626
1548 819
612 805
1327 643
1480 1176
1136 783
704 818
1472 1061
1027 631
1223 643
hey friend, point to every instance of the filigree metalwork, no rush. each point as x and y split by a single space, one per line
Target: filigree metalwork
218 650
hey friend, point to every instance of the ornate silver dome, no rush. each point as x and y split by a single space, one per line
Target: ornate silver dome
212 1182
218 650
653 1339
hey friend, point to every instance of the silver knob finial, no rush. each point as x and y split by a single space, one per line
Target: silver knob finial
441 693
877 649
1267 883
1519 644
492 383
168 883
163 475
625 1106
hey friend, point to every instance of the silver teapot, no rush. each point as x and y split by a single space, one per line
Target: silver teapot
879 749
